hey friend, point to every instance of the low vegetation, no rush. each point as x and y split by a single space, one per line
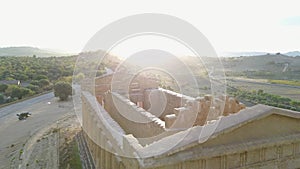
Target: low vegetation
260 97
286 82
21 77
72 157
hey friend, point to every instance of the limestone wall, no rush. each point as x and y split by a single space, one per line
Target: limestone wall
97 86
281 156
122 84
158 96
104 137
104 158
107 141
138 85
95 119
88 85
281 153
103 84
132 119
173 107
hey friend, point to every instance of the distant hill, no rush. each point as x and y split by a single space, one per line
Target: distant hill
29 51
293 53
271 66
237 54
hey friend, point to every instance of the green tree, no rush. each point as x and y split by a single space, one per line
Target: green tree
34 88
39 77
260 92
34 82
15 91
67 79
44 83
295 103
79 77
62 90
3 87
26 92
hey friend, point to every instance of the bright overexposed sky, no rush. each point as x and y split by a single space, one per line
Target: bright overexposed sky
231 25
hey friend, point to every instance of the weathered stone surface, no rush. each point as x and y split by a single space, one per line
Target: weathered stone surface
208 132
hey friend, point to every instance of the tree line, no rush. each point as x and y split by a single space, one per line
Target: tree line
260 97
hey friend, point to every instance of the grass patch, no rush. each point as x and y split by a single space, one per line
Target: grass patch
286 82
75 161
20 154
71 157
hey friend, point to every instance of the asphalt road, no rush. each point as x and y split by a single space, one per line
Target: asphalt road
19 107
14 133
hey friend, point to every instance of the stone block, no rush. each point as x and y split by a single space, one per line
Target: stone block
169 120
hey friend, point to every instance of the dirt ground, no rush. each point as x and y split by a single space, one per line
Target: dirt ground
51 149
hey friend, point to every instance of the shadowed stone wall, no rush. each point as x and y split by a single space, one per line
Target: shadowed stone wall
131 118
156 97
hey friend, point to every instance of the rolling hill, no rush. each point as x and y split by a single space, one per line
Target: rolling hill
237 54
29 51
269 66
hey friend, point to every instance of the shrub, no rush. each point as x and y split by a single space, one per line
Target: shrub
62 90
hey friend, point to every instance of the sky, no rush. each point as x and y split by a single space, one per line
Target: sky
230 26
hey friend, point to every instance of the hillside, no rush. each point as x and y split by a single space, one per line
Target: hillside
293 53
276 66
29 51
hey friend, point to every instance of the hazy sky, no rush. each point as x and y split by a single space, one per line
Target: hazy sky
253 25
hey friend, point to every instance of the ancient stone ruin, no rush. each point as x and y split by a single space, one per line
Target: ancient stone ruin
134 124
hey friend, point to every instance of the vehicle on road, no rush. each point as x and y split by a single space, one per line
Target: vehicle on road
23 116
